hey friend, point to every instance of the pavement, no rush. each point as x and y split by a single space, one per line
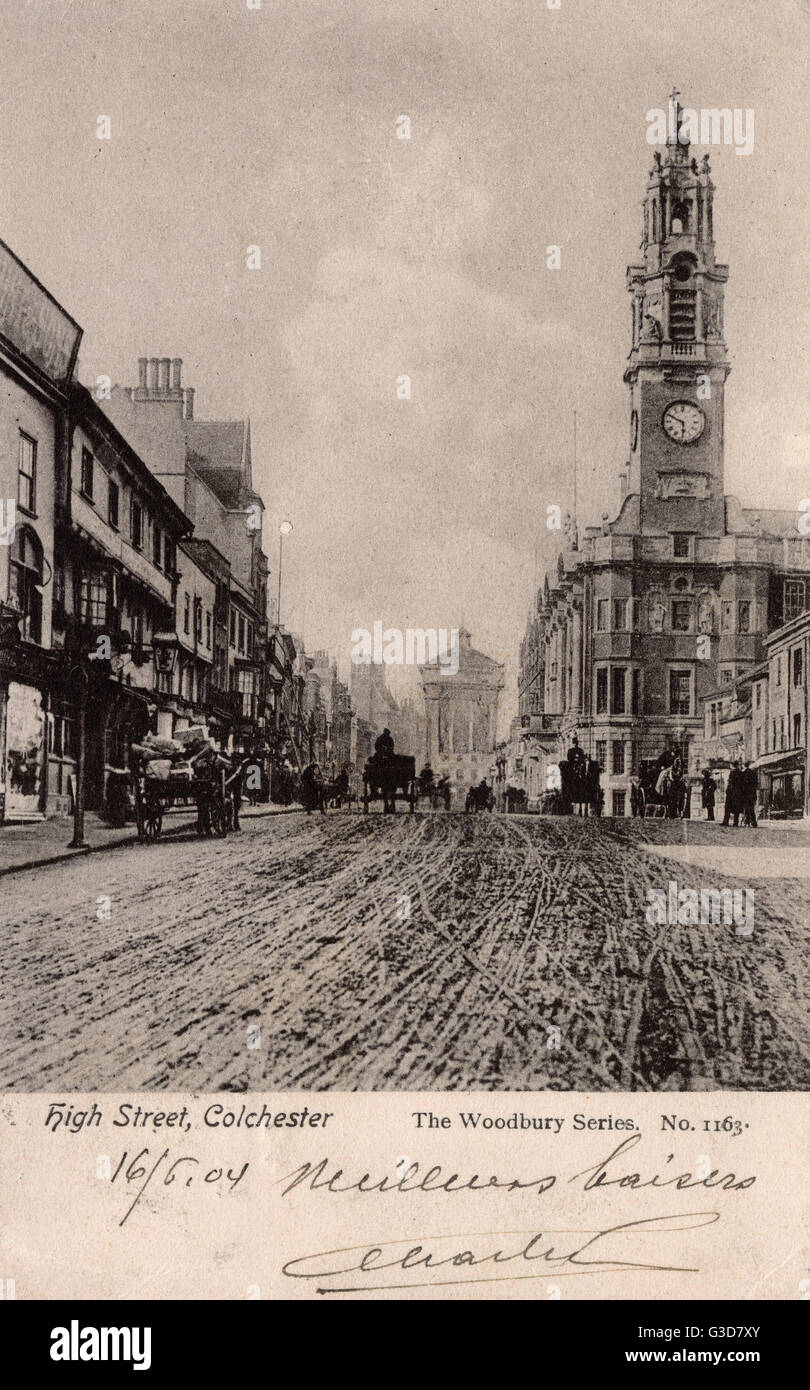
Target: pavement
36 843
425 951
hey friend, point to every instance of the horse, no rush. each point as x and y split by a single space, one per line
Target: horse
385 777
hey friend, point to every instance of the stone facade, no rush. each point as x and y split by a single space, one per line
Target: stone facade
461 717
649 613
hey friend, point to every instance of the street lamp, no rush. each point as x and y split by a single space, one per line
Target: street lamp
284 530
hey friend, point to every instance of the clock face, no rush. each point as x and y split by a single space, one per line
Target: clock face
683 422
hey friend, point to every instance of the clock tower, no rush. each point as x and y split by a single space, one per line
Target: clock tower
678 364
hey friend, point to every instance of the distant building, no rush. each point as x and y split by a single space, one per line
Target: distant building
461 717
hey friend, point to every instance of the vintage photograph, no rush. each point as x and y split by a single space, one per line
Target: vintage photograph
404 547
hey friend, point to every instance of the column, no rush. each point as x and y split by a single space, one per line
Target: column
576 661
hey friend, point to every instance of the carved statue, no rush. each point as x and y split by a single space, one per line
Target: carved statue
706 613
652 311
657 613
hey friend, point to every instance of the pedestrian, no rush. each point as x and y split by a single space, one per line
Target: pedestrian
734 794
749 796
708 792
637 797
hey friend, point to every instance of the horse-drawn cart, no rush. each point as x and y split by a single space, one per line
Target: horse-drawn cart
386 778
205 780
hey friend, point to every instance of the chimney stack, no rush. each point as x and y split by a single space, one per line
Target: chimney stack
153 374
177 369
165 365
189 399
142 373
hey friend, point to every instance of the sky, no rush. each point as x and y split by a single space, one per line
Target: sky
425 257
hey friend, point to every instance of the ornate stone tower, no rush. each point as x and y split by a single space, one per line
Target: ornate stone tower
677 364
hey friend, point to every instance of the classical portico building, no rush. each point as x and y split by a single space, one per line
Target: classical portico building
461 712
649 612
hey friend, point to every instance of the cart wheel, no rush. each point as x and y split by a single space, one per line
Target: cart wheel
152 822
140 821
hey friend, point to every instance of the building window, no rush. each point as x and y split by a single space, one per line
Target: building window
618 803
726 615
168 555
25 573
681 615
759 694
744 616
112 504
87 474
136 524
250 639
601 753
27 473
240 645
779 670
59 586
186 614
797 730
680 546
793 599
797 666
758 737
636 696
712 721
601 690
601 614
727 675
208 629
245 684
617 757
198 623
781 731
157 545
617 683
94 593
233 628
620 615
680 692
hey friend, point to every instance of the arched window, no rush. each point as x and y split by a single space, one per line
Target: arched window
25 575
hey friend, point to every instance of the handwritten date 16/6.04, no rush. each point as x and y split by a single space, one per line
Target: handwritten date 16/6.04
187 1170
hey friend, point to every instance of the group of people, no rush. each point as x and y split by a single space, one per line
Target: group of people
316 791
741 794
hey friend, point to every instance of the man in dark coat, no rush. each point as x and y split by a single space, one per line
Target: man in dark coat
734 794
708 790
749 795
384 747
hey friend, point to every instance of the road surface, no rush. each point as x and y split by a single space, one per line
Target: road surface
425 951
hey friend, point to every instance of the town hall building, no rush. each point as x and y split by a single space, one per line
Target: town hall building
648 613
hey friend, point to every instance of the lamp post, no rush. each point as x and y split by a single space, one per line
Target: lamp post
284 530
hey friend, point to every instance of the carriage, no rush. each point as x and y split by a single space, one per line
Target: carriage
160 785
480 798
672 800
384 779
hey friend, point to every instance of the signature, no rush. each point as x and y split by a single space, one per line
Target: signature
602 1252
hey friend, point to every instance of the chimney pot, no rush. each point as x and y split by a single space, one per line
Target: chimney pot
153 373
177 370
189 399
142 364
163 378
